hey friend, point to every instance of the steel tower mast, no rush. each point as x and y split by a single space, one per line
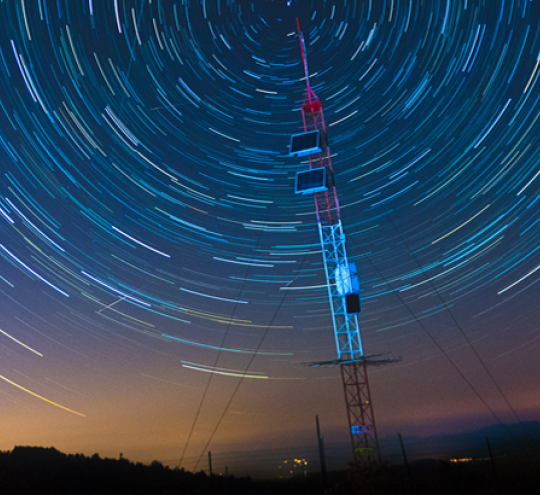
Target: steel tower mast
341 276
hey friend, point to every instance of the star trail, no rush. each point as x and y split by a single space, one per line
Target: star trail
151 240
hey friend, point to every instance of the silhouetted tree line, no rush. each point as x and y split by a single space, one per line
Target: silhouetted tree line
43 471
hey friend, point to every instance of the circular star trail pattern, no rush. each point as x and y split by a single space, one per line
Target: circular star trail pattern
147 214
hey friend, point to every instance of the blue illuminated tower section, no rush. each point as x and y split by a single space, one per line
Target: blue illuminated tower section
341 276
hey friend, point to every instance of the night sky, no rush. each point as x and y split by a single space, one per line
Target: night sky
162 287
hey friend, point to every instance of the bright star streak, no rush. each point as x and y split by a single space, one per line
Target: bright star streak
40 397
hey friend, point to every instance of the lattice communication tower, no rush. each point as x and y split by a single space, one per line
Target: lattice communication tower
341 276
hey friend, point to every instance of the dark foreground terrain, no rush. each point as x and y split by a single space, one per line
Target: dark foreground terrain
43 471
436 477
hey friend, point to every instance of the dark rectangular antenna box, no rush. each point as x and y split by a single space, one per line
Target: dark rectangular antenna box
311 181
305 144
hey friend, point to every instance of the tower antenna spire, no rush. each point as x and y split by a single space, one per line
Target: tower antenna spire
304 59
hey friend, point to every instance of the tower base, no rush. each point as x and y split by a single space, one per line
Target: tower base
365 442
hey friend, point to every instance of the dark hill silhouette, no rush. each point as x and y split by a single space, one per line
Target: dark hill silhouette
44 471
505 440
